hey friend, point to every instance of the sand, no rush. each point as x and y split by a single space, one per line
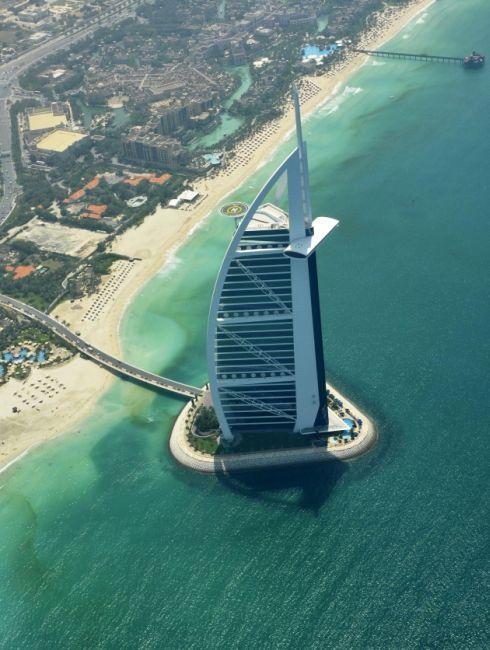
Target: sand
97 317
56 238
47 402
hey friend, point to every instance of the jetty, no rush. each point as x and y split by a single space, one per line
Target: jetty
474 60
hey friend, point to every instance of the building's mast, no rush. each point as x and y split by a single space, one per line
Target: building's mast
304 180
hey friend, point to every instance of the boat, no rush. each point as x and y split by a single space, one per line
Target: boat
474 61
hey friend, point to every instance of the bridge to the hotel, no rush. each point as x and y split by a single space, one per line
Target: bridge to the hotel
103 359
412 57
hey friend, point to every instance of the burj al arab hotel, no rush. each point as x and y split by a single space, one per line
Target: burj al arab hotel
264 346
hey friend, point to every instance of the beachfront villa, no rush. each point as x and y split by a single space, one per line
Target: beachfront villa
265 354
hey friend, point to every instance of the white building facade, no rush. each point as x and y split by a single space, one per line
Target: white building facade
264 346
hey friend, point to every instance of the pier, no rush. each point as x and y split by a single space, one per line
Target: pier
107 361
413 57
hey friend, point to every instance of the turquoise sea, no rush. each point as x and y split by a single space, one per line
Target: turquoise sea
106 543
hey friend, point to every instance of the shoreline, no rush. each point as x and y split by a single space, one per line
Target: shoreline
155 242
186 455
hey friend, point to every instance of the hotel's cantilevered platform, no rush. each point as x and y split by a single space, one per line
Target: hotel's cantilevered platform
265 353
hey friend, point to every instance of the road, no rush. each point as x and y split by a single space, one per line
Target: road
107 361
9 78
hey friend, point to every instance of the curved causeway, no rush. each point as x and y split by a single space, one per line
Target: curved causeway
107 361
186 455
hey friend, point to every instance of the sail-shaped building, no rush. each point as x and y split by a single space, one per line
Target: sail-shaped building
264 346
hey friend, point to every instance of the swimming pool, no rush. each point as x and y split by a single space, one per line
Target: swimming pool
313 51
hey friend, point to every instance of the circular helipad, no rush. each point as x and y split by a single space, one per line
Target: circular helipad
234 209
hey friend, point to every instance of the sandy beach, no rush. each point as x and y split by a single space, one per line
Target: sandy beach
53 400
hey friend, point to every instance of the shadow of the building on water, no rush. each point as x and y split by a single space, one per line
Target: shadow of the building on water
312 483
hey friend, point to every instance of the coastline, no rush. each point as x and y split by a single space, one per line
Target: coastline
154 242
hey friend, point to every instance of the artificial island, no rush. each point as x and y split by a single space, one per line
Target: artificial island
267 402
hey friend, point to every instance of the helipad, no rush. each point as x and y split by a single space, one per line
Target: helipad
235 209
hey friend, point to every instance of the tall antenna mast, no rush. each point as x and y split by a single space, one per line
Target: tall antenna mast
303 163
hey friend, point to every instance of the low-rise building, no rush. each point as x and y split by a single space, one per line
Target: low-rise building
33 14
47 117
59 141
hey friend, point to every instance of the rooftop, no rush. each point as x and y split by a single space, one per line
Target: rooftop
269 217
20 272
45 120
60 140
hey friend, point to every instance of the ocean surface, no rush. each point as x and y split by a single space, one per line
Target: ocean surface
106 543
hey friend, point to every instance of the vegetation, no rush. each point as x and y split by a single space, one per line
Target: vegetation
206 420
17 329
24 247
15 110
102 263
36 190
87 224
44 285
208 445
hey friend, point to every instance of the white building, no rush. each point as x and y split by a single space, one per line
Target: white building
265 352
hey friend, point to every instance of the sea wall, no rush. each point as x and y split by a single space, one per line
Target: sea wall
241 462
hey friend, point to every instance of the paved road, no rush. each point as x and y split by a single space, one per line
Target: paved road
103 359
10 188
9 76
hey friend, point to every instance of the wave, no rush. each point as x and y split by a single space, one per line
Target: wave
352 90
172 262
333 105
